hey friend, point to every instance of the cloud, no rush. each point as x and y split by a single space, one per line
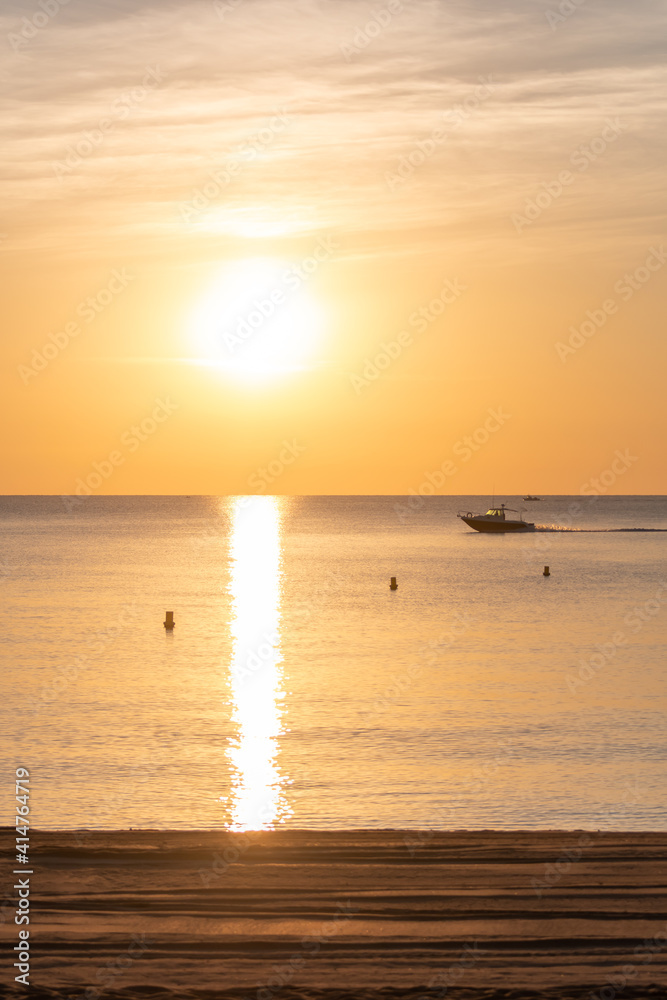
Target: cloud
360 100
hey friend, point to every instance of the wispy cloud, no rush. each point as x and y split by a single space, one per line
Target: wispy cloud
352 119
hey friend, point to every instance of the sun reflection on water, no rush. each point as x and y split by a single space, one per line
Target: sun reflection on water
258 799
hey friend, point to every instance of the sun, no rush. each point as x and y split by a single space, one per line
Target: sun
258 320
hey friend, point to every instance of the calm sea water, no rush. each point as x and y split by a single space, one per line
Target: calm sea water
296 689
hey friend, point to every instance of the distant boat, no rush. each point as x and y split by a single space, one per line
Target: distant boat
495 520
532 498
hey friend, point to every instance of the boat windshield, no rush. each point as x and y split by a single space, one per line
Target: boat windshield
496 513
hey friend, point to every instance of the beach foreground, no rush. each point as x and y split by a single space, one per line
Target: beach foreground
329 915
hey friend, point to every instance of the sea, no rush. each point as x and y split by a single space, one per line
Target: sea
298 690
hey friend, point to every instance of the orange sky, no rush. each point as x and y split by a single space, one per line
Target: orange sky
355 244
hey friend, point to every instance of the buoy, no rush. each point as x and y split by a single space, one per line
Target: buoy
393 585
169 620
546 571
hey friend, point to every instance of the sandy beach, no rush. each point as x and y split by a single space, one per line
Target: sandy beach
343 914
296 914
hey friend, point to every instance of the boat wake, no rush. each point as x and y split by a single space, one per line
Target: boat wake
558 527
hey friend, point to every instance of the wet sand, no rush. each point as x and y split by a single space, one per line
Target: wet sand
335 915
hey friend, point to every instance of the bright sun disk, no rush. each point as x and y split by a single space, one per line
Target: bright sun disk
258 320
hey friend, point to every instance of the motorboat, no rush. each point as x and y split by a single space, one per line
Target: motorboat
532 498
495 520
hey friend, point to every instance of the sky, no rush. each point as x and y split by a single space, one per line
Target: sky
333 246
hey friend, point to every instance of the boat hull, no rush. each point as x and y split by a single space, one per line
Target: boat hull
497 527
